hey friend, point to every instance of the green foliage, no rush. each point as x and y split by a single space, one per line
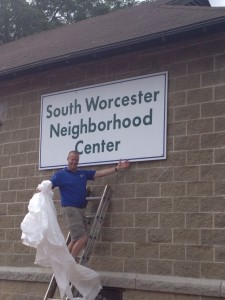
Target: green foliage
19 18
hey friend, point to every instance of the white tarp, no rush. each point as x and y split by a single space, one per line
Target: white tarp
41 230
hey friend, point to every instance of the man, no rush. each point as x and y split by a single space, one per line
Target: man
72 186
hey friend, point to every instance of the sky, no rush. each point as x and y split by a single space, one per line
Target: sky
217 2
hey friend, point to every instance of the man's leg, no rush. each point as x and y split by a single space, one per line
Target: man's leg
76 221
75 247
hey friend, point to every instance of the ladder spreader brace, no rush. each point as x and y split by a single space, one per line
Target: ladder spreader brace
93 234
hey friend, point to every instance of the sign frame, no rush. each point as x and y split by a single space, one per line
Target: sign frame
153 97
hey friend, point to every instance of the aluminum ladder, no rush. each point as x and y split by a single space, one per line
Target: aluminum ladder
98 218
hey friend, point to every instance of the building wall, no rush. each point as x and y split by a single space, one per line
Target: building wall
165 217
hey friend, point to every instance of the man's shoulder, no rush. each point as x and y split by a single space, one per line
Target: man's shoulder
77 172
61 171
66 171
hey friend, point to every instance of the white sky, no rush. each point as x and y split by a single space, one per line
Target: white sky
217 2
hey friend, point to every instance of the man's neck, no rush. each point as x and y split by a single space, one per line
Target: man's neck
72 170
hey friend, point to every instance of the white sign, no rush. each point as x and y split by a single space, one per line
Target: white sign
123 119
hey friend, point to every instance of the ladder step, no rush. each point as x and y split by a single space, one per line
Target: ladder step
93 198
89 216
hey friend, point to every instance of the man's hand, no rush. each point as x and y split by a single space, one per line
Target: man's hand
123 164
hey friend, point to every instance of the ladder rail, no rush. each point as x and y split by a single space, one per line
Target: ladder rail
51 288
53 284
100 210
94 231
99 217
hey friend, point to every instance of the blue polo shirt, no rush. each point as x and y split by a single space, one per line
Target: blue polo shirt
72 186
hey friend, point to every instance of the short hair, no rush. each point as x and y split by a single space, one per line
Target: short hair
74 152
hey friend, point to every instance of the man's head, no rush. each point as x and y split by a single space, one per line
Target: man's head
73 160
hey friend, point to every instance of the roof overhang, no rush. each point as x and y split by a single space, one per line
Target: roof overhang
127 46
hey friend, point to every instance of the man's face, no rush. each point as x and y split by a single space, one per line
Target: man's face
73 160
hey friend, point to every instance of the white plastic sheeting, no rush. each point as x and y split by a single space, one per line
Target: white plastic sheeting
41 230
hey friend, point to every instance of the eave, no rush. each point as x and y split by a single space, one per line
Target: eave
127 46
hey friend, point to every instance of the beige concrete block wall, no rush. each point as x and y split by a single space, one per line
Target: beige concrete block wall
22 290
166 217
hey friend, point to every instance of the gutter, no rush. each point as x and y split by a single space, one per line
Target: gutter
149 41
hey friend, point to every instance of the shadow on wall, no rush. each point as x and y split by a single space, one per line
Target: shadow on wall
109 294
3 109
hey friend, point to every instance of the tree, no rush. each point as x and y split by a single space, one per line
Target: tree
19 18
66 11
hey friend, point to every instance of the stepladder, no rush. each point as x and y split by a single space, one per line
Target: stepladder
96 210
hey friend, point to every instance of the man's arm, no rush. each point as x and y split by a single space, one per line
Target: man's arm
121 165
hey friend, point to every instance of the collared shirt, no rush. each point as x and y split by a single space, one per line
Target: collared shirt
72 186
